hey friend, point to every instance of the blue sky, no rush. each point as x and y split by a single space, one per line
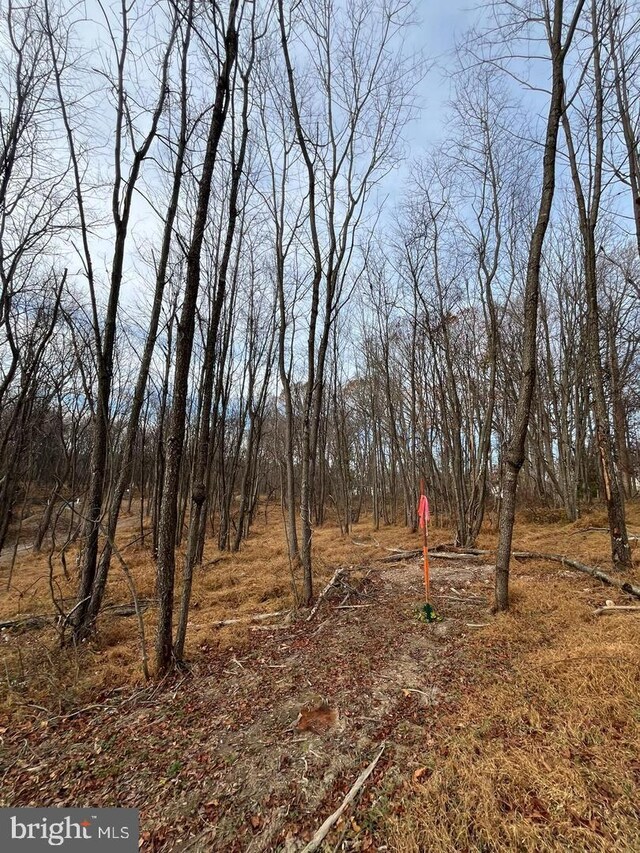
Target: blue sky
441 22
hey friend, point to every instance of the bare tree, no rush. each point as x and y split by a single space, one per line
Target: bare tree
124 476
122 198
174 444
588 192
355 88
559 36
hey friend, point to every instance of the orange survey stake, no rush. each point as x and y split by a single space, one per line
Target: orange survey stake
423 516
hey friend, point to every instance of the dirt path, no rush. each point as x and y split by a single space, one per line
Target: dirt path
216 761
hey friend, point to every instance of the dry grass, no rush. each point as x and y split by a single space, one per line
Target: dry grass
255 580
542 754
545 754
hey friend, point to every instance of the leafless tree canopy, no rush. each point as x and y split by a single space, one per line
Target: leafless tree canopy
233 277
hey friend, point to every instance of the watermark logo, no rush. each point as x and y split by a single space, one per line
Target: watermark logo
27 830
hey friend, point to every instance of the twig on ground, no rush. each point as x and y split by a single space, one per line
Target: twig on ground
256 617
466 595
339 572
421 692
609 610
322 833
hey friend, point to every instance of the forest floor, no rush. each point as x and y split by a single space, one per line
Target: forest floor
512 732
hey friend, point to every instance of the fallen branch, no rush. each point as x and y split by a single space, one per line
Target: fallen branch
467 556
450 548
589 530
39 620
336 575
257 617
34 621
129 609
605 611
464 594
429 695
475 553
631 536
397 555
322 833
136 607
134 541
625 586
471 555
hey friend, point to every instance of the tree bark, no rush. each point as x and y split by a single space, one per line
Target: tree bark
514 456
174 444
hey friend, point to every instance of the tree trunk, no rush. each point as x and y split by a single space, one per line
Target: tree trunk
514 456
174 444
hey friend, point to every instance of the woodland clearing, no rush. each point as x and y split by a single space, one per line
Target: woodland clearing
516 731
283 286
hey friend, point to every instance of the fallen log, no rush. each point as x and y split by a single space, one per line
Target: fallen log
467 556
625 586
336 576
455 549
631 536
39 620
397 555
27 622
129 609
474 553
589 530
322 833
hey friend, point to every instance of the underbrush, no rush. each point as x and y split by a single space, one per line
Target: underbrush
544 755
36 669
257 579
541 753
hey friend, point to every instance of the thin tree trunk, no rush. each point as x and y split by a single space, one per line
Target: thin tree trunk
176 430
515 453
